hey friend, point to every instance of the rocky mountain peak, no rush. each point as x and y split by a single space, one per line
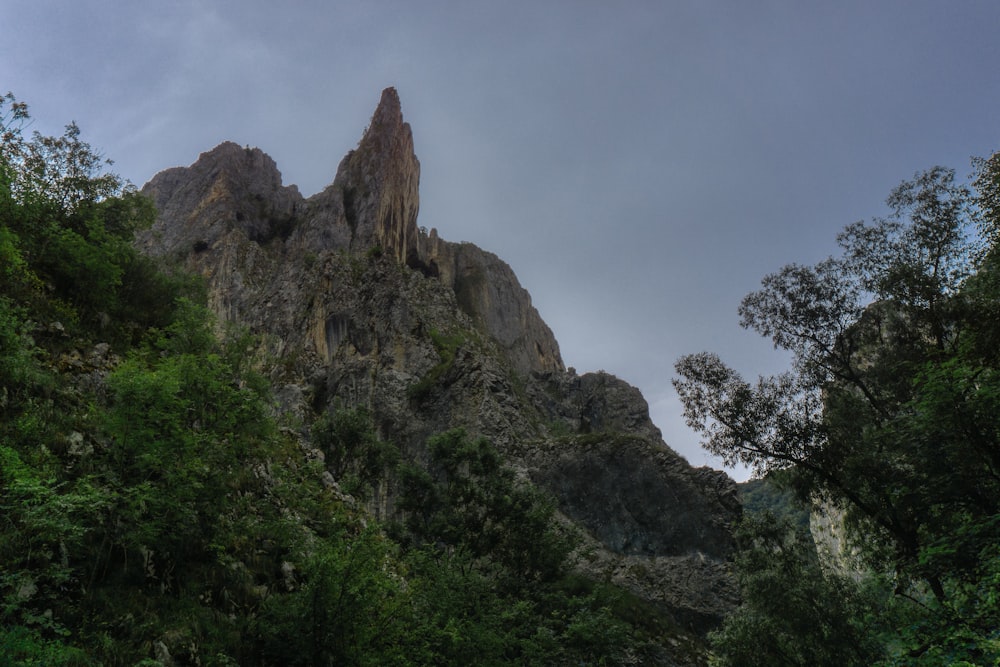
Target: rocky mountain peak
388 116
230 188
379 182
357 308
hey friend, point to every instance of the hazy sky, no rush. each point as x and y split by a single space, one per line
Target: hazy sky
640 165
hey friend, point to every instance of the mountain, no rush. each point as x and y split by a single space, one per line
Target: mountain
356 306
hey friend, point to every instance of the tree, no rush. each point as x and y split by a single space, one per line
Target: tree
472 503
489 565
349 608
354 453
181 423
887 410
66 232
792 613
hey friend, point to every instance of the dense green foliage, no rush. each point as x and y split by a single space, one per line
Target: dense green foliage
792 613
353 454
769 495
152 510
66 240
890 413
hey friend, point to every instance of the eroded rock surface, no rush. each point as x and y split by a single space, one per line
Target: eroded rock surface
358 307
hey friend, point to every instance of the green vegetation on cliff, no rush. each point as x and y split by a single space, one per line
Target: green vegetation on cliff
155 512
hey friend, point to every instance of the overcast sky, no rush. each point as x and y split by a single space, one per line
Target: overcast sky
640 165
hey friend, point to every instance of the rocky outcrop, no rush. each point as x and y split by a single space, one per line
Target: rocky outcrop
232 195
827 526
488 291
660 528
636 499
229 189
378 183
358 307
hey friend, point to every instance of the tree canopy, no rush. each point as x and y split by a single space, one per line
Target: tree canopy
889 408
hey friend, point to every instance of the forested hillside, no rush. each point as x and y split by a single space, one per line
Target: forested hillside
158 509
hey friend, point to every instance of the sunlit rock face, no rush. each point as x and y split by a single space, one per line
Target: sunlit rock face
229 188
379 185
356 306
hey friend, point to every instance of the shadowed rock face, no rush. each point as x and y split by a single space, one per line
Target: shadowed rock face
488 291
615 487
358 307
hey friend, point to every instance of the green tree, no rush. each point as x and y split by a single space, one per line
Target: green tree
66 232
886 411
472 503
182 422
792 613
355 455
489 566
348 607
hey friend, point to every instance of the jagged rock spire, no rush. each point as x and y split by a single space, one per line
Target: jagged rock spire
274 263
380 182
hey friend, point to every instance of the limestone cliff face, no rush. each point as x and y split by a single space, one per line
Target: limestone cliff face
379 182
488 291
229 189
353 302
827 525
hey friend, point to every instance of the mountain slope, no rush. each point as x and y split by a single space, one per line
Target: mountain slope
358 307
